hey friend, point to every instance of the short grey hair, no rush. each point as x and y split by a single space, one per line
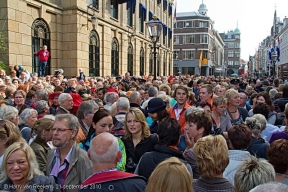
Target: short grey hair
260 172
8 112
25 114
152 91
111 153
62 97
261 119
271 186
110 96
86 107
134 95
43 94
123 103
192 110
272 93
71 119
41 106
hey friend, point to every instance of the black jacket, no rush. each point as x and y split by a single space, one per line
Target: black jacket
133 154
258 147
150 160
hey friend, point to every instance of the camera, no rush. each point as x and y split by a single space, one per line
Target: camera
58 72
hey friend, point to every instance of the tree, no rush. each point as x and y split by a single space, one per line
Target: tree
3 47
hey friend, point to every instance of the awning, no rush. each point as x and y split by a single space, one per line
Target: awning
142 11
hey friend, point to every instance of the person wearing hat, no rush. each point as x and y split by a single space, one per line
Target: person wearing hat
141 81
42 133
118 78
235 83
157 111
258 87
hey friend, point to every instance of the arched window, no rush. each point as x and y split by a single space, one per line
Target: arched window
130 59
115 58
164 65
151 64
94 56
142 69
40 36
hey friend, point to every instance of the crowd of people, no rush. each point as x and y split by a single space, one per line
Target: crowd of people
127 133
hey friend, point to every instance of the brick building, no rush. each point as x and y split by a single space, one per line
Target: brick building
117 43
194 35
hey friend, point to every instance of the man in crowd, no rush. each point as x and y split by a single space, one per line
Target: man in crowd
43 55
65 101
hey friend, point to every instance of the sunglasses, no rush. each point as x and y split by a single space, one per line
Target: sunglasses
3 123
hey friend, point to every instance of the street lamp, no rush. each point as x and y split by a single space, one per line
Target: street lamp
274 58
154 27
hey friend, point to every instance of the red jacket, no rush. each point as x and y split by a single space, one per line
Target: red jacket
41 56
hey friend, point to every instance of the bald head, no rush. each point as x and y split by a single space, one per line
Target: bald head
104 149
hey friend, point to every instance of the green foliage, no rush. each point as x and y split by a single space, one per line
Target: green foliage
3 47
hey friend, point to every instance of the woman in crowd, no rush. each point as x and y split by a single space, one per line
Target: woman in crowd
205 105
211 154
236 114
219 119
258 146
253 172
53 100
19 100
198 125
157 111
169 176
9 113
263 97
20 168
27 119
138 139
42 130
9 134
277 155
103 122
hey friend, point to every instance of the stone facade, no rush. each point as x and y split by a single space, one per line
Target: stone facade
68 35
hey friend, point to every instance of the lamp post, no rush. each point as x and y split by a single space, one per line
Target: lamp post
154 27
93 18
274 58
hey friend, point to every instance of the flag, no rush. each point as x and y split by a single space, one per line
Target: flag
175 25
278 49
200 59
271 50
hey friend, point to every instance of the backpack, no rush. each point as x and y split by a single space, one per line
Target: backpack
118 129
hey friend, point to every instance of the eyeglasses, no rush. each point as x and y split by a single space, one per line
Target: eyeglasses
3 123
18 97
59 130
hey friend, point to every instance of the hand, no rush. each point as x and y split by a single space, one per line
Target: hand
190 142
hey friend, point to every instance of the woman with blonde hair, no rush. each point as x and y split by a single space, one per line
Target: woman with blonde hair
212 158
20 168
138 139
169 176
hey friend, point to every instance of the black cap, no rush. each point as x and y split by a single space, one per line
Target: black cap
118 78
133 78
242 85
235 81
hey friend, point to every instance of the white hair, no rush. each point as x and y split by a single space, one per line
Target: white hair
25 114
62 97
8 112
111 153
123 103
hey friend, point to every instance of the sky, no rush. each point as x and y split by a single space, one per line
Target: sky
254 17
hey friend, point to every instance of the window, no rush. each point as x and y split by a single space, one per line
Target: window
158 65
188 24
188 55
204 39
164 65
236 63
178 24
237 45
237 54
230 62
165 4
130 59
142 68
164 34
114 58
158 1
129 13
176 54
203 24
204 56
114 8
230 45
230 54
188 39
237 36
94 56
176 39
142 17
94 3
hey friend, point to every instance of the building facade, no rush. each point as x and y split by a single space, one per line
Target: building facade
283 39
198 48
232 50
117 43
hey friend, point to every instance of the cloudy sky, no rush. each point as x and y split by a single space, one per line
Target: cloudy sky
255 18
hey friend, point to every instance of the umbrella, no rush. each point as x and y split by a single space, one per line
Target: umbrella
234 74
244 75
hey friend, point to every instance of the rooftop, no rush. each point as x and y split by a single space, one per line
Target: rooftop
190 14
